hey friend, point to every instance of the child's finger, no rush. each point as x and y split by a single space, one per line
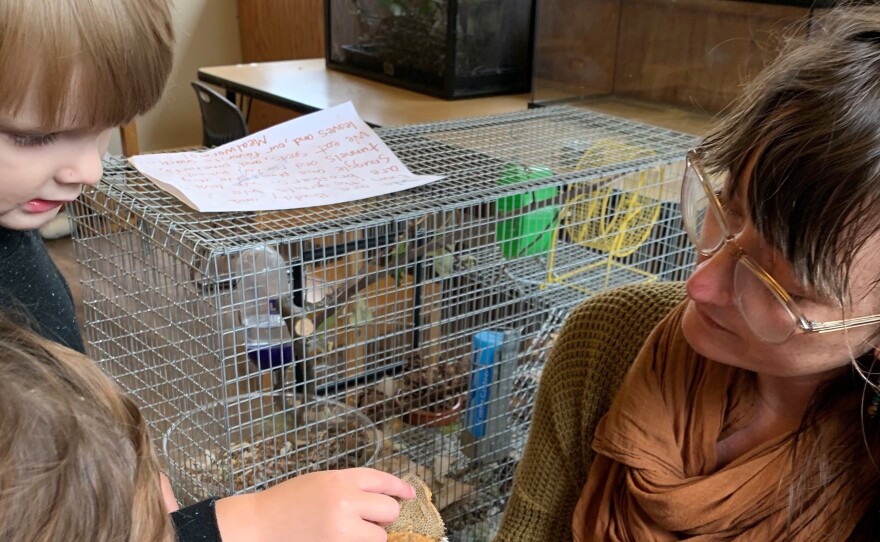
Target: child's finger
369 532
376 481
377 508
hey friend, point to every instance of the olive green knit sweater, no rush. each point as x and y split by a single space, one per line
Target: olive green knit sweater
597 344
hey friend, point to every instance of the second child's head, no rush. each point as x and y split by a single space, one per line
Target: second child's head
72 71
76 462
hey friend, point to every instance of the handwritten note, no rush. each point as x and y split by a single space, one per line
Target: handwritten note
327 157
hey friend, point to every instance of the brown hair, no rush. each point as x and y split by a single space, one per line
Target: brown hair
89 63
811 121
76 462
811 124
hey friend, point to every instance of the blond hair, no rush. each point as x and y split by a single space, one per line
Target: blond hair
76 462
87 63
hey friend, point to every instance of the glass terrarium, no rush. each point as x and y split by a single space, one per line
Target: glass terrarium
446 48
672 63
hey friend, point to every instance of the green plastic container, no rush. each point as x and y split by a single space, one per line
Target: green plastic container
530 233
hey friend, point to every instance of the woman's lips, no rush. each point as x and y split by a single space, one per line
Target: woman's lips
708 320
42 205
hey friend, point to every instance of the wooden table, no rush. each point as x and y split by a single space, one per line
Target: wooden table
307 85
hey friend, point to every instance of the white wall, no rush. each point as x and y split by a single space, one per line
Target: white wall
207 35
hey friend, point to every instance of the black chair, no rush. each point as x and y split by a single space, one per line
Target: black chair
222 120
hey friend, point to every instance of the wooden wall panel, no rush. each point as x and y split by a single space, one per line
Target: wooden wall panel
279 30
695 53
575 47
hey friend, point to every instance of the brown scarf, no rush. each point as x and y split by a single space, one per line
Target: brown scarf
655 476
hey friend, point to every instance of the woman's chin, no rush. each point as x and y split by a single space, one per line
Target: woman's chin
705 338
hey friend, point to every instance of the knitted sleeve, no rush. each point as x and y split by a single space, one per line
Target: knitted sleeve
596 346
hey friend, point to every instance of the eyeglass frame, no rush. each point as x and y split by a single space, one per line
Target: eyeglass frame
727 238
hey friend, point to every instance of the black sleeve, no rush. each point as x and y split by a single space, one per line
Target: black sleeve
197 523
34 291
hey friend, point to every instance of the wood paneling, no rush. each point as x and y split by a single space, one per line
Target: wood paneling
695 53
575 46
279 30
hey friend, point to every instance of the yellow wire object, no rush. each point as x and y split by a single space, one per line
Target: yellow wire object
614 216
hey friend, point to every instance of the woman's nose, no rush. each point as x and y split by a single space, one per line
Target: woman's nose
712 280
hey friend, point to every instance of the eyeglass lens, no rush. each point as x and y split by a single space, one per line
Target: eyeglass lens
765 312
702 223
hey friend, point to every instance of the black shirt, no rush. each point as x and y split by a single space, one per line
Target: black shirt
197 523
33 291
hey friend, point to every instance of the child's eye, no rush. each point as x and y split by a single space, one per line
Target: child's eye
22 140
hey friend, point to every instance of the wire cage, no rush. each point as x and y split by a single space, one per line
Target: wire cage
405 332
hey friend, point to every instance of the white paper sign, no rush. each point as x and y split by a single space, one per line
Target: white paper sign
323 158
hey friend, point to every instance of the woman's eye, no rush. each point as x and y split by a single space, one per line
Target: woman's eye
811 298
734 218
22 140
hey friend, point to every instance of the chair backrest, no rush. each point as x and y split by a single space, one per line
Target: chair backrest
128 136
222 120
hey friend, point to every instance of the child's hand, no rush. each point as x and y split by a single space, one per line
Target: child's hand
168 494
332 506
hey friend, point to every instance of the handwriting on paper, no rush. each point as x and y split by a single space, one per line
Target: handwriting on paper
327 157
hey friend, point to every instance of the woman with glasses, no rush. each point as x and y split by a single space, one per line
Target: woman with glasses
750 411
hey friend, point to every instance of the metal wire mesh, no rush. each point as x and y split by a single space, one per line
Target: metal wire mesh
405 332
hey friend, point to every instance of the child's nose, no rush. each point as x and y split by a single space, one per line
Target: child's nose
712 280
83 165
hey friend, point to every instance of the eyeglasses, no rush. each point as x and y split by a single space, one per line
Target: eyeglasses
767 308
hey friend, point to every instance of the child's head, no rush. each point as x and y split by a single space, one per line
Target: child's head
72 70
76 462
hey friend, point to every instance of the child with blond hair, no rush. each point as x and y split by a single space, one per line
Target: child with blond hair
73 70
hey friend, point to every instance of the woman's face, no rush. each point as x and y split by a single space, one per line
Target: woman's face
714 327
